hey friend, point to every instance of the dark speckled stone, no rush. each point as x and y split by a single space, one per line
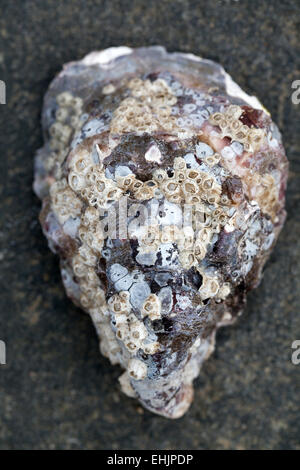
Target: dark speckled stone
56 391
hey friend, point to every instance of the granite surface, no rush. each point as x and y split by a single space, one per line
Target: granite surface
56 391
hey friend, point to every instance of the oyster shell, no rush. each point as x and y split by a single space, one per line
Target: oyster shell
163 193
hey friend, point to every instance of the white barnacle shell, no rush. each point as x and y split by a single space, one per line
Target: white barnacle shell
137 369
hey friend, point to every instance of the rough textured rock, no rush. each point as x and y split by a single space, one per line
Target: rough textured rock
163 193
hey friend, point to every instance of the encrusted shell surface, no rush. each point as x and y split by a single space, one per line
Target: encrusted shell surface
163 193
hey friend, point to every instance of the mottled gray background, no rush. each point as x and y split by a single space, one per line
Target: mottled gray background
56 391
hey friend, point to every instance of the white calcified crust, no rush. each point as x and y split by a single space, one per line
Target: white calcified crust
77 184
234 90
105 56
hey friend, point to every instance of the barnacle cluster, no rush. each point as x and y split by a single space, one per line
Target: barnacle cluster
67 121
203 177
148 109
64 202
231 126
129 329
190 186
88 179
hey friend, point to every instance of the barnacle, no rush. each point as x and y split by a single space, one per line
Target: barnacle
210 286
137 369
163 197
152 307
